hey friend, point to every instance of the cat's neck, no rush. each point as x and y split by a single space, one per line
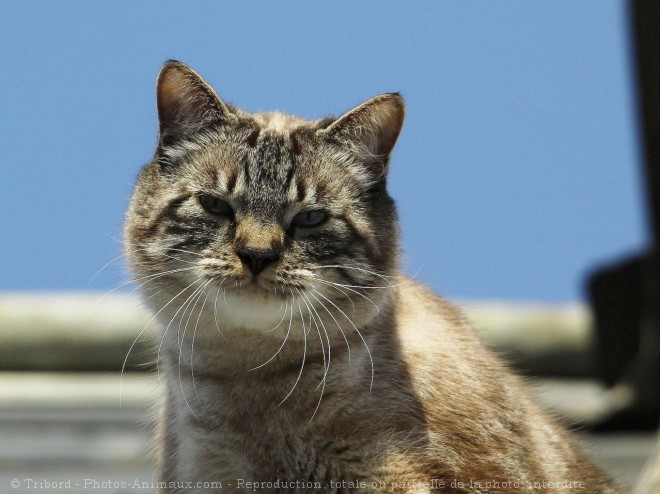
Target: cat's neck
215 345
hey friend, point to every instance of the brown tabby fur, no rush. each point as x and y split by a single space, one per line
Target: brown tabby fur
327 369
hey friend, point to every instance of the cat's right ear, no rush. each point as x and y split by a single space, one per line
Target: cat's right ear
370 130
186 103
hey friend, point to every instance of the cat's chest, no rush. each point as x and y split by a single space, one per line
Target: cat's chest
266 454
240 437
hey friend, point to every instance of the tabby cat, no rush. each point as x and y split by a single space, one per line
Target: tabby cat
296 356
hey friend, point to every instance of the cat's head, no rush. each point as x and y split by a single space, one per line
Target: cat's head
260 216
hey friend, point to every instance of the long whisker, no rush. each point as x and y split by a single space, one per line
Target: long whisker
283 316
184 308
104 267
150 277
192 343
326 364
348 347
123 366
321 384
145 247
197 295
337 285
321 280
359 334
215 307
363 270
190 308
312 311
170 323
187 252
302 365
372 287
281 346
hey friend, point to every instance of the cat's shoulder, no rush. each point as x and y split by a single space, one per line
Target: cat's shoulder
419 308
437 337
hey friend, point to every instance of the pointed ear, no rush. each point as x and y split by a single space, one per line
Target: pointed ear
373 127
186 103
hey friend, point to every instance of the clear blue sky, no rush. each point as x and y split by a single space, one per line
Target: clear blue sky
516 171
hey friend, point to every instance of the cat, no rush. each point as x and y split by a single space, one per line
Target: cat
296 356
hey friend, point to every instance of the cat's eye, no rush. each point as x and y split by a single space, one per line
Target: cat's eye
310 219
216 206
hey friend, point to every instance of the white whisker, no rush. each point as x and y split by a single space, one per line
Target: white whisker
104 267
281 346
363 270
326 369
302 366
348 347
149 278
192 343
215 308
197 295
359 334
160 344
123 366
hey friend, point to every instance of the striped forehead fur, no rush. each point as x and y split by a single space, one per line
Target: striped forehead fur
278 124
289 134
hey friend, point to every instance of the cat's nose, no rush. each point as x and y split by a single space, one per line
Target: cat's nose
257 259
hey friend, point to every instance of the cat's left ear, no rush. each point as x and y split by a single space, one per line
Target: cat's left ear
373 127
186 103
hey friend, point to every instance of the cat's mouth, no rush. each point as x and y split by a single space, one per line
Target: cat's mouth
260 287
255 287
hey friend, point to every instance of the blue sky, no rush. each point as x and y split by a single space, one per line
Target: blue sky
517 169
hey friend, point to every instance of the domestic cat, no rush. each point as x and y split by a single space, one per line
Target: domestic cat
296 356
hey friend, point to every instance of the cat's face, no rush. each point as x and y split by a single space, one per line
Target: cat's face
263 215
